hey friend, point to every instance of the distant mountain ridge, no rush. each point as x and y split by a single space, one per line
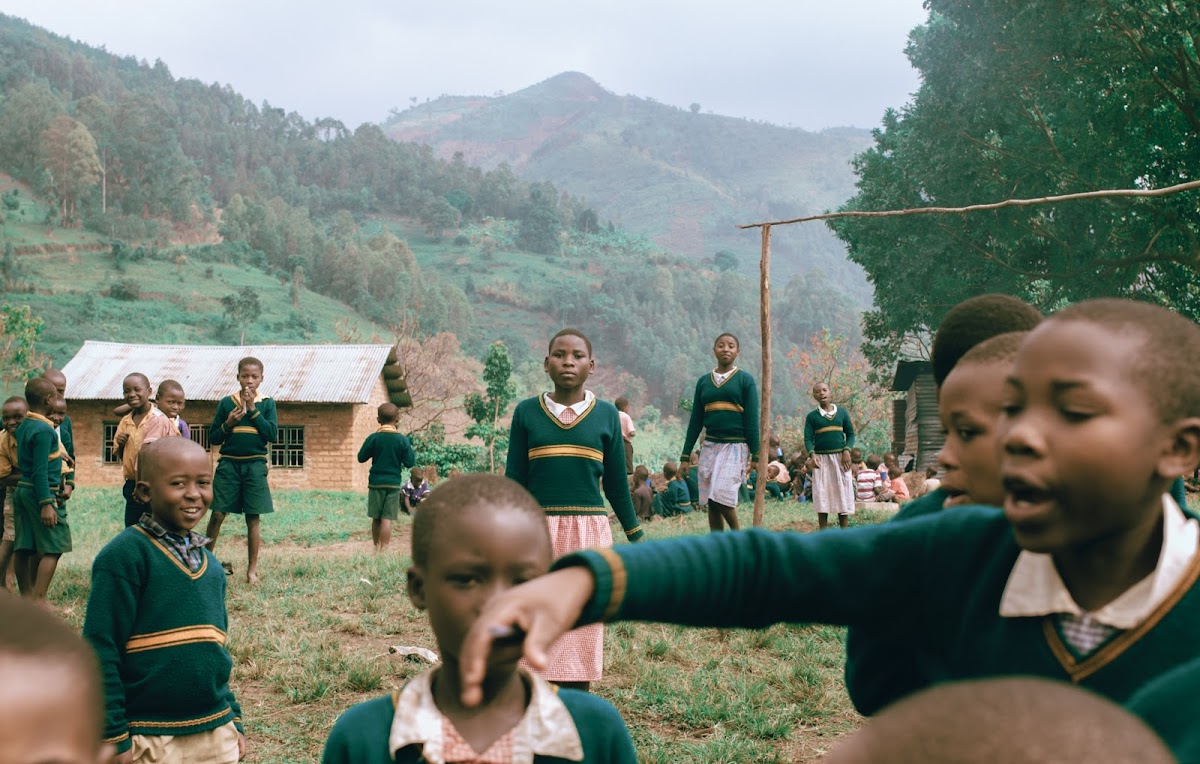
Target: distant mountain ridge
683 177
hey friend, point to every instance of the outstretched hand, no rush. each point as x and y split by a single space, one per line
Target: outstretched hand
542 609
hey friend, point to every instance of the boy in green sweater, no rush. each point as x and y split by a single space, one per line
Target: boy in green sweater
42 533
475 537
390 452
157 620
244 427
51 703
1087 574
675 499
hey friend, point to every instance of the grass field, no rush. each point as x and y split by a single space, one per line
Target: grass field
313 637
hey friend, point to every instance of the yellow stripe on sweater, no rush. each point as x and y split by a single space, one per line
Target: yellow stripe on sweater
174 637
579 452
830 429
723 406
246 429
182 722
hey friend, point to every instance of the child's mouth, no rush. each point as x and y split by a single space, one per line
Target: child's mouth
1024 499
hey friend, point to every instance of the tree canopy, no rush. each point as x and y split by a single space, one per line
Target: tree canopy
1031 98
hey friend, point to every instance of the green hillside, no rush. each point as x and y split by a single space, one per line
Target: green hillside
684 179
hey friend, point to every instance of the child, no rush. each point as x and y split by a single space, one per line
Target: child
627 431
784 478
478 536
415 490
931 483
171 401
773 485
856 461
157 620
57 416
42 533
1088 574
11 415
66 433
868 483
725 406
143 424
50 699
562 447
829 437
244 427
643 494
390 452
1025 720
675 500
692 478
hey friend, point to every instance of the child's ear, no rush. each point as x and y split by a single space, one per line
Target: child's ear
1183 454
141 491
416 587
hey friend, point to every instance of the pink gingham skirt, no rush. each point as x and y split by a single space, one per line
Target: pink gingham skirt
578 656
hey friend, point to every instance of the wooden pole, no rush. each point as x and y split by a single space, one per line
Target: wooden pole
764 421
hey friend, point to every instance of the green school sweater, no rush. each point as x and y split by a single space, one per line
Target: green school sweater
390 452
563 465
1168 705
39 458
360 736
828 436
159 631
728 413
248 439
935 582
676 500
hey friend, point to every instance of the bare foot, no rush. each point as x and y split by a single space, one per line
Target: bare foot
251 577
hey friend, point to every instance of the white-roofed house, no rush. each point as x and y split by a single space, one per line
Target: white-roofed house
326 397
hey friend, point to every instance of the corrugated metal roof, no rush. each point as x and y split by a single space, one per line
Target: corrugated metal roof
293 373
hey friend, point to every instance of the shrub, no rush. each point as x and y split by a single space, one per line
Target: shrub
125 289
462 240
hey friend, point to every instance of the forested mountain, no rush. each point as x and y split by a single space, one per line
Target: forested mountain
135 165
684 178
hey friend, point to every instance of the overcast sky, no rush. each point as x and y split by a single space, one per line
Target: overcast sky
808 63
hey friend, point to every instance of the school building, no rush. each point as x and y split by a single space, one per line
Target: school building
916 427
326 397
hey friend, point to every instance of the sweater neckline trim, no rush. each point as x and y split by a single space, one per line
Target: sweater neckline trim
1078 670
591 407
167 553
712 376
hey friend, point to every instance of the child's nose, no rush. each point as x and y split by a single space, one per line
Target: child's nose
1021 436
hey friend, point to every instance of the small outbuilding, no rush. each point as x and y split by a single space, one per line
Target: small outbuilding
326 397
916 429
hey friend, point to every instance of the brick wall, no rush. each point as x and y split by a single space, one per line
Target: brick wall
332 435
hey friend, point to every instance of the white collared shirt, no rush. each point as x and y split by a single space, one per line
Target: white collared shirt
1034 587
720 378
829 413
557 408
546 729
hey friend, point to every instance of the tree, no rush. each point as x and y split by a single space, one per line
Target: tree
439 215
297 287
70 159
486 409
19 330
694 108
1032 99
241 309
540 224
725 261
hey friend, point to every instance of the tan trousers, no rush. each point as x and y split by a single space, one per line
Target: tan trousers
219 746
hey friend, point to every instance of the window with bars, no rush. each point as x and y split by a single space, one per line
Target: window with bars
199 434
288 451
107 451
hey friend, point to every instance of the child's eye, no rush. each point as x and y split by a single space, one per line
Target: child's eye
1011 409
1076 415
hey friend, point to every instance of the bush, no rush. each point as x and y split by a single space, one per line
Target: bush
125 289
431 448
462 240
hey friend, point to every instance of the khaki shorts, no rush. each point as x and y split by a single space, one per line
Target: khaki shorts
219 746
383 503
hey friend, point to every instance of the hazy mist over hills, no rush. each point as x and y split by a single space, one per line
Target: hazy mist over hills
683 177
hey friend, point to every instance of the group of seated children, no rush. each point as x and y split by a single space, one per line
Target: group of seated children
876 479
672 493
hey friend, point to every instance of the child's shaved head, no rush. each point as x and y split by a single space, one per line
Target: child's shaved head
453 497
387 412
1167 366
999 349
168 386
38 390
1012 719
156 453
51 704
973 321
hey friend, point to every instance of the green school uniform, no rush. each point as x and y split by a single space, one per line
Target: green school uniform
39 460
240 480
935 582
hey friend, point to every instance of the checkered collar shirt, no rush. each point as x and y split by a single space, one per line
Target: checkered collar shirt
188 548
